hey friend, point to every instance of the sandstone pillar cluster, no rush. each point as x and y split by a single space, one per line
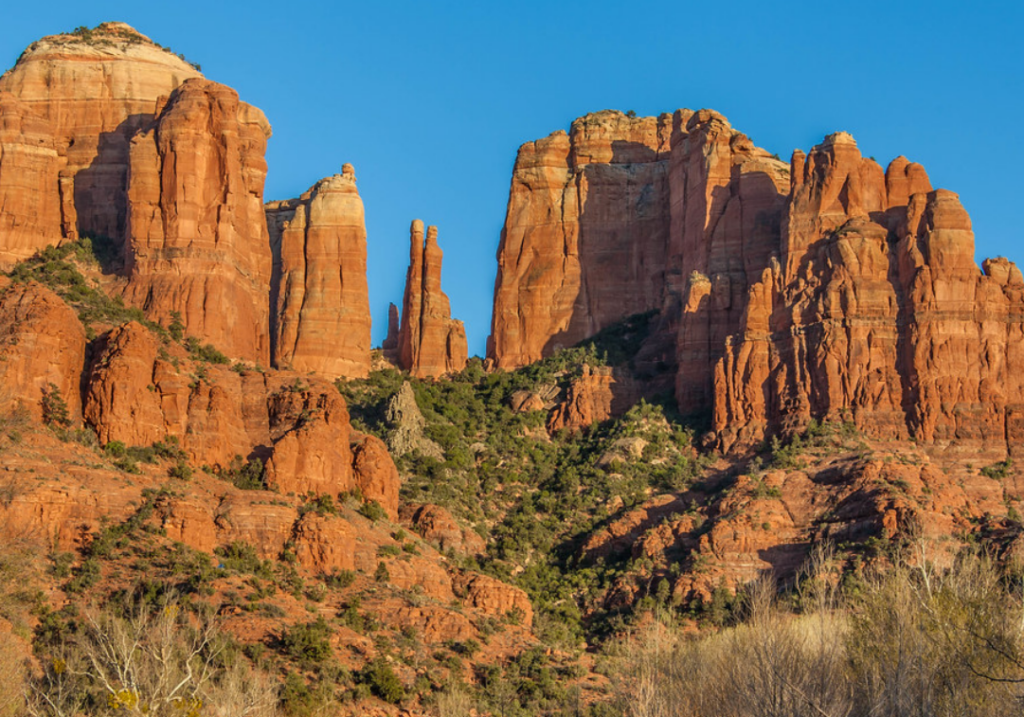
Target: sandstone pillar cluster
430 342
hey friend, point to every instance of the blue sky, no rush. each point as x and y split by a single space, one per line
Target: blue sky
430 101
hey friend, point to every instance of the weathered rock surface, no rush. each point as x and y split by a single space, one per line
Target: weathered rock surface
406 423
197 234
430 342
440 528
140 392
595 396
68 110
586 235
390 345
29 167
877 314
41 343
319 292
493 597
827 289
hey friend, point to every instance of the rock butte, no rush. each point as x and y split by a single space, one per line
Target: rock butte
430 342
68 111
827 289
319 292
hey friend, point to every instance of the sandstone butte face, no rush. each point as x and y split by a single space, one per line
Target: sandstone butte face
319 293
68 110
586 235
197 235
829 289
139 392
42 343
430 342
875 312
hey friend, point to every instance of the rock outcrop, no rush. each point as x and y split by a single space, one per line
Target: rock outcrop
197 235
406 423
140 392
430 342
68 110
319 293
595 396
390 345
42 344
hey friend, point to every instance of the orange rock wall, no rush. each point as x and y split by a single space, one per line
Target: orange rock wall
197 234
319 293
586 235
78 103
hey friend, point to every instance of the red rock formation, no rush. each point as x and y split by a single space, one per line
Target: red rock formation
876 314
727 200
829 289
592 398
41 343
321 300
586 235
28 182
78 99
493 597
430 342
197 234
140 392
390 345
439 527
375 474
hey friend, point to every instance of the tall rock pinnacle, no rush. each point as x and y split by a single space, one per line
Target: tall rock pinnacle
430 342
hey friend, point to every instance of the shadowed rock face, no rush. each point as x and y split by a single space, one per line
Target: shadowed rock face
430 342
585 240
320 296
68 110
877 314
826 289
197 235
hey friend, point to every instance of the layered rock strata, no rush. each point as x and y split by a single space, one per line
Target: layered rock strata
876 313
42 345
586 235
430 342
828 289
319 293
197 235
68 110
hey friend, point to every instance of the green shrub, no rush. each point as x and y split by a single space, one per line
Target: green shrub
55 408
383 681
371 509
309 643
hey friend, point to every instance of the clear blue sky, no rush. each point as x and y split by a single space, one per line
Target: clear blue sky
430 101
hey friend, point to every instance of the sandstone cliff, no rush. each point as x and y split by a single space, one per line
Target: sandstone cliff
319 293
876 313
68 110
430 342
586 235
197 235
828 289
